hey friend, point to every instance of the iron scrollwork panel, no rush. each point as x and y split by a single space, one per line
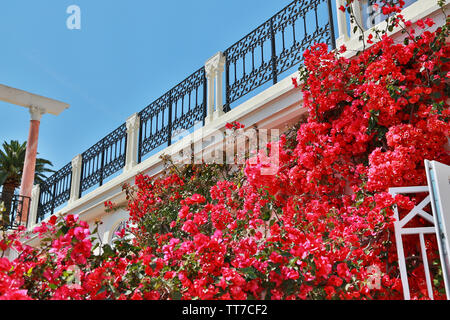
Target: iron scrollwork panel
178 109
188 119
104 158
275 46
55 191
272 48
188 101
154 128
248 63
294 55
17 210
298 27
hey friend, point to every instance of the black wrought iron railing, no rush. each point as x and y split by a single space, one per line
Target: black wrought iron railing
178 109
103 159
267 52
54 192
276 46
14 210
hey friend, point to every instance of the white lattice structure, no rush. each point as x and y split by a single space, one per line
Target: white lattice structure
401 229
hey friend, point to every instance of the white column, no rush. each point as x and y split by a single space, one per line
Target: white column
358 17
32 217
77 163
214 68
220 63
133 124
210 74
342 24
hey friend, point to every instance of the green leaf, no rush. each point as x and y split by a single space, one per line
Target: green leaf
95 246
70 278
177 295
373 120
250 272
53 286
266 215
290 286
107 250
436 95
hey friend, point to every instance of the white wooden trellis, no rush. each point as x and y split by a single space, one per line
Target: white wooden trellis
401 229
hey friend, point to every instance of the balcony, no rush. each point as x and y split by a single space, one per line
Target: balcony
265 57
14 211
249 82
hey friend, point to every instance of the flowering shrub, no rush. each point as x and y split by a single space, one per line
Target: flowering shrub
234 125
320 228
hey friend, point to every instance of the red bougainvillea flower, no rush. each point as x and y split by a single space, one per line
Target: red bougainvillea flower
319 225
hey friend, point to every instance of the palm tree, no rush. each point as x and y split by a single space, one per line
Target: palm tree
12 158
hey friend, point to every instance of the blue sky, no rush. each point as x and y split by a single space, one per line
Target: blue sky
127 54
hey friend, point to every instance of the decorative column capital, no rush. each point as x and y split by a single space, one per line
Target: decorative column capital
35 191
133 122
77 161
215 64
214 68
36 112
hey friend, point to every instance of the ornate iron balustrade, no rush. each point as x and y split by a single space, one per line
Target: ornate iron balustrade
16 210
178 109
104 159
271 49
276 46
54 192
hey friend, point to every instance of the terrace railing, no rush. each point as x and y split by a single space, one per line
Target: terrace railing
103 159
178 109
14 210
273 48
54 192
276 46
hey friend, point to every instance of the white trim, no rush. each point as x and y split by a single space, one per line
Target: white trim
274 106
400 230
414 12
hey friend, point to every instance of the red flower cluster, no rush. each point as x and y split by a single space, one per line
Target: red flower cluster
234 126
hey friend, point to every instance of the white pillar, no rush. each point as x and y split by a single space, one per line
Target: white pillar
77 164
214 68
220 64
32 216
210 92
342 24
357 11
133 124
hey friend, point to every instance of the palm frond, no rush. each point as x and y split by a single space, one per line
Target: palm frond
12 159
